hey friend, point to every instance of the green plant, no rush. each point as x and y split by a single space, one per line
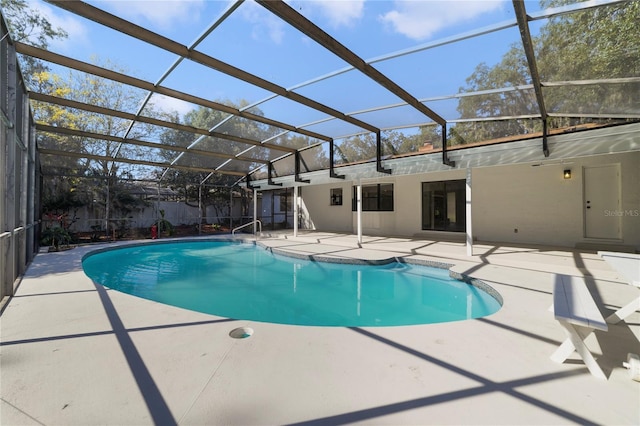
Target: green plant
55 237
96 231
164 225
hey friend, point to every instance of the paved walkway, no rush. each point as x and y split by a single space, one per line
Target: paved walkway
75 353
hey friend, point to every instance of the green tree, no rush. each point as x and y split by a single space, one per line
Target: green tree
511 72
397 143
311 159
599 43
93 182
363 147
27 25
206 187
356 148
590 45
431 135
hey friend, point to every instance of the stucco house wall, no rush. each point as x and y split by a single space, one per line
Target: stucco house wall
523 203
535 204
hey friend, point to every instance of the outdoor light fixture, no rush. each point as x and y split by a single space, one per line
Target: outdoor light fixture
567 174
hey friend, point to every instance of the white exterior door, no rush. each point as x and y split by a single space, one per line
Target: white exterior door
602 208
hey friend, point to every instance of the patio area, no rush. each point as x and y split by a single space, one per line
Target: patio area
76 353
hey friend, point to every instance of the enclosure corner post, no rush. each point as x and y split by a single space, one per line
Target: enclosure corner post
469 229
255 211
296 209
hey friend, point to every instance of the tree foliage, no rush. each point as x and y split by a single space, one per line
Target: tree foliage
205 188
593 44
92 182
394 142
28 25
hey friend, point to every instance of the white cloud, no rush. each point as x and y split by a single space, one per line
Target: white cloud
268 26
162 13
169 104
339 12
76 30
420 20
264 24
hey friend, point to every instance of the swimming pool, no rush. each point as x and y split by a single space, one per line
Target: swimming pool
244 281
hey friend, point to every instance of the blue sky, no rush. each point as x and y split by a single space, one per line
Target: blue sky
254 40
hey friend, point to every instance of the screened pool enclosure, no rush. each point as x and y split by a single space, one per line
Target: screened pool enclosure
132 121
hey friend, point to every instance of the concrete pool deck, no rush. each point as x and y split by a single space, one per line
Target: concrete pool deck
75 353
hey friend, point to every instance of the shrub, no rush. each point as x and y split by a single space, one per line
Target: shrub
55 236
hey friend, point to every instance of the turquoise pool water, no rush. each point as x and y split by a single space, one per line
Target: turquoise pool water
243 281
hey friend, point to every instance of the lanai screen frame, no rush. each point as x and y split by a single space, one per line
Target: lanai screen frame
289 15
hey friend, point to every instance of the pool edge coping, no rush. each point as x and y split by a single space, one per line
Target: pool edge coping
393 259
320 258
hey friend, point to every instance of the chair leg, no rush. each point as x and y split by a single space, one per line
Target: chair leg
563 351
624 312
575 341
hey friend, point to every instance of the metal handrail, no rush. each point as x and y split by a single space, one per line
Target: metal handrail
233 231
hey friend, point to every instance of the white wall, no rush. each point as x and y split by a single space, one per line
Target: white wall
321 215
544 207
177 213
538 202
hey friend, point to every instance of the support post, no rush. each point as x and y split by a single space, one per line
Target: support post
31 224
379 167
255 211
545 142
445 156
469 215
248 180
200 209
108 201
10 198
297 168
359 211
269 179
295 210
231 208
332 172
522 18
